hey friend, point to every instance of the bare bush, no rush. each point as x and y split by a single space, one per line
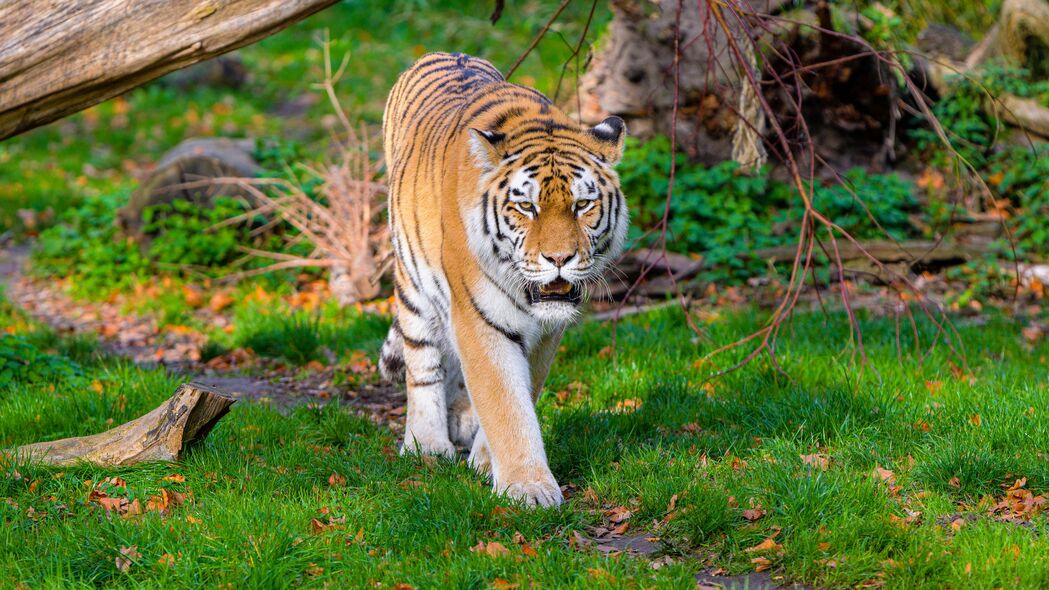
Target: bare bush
342 222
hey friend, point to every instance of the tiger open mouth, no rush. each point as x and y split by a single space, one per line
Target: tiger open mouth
556 290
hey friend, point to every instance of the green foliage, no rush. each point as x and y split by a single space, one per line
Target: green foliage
87 245
186 237
722 213
886 198
22 362
1022 176
974 17
297 338
969 128
187 233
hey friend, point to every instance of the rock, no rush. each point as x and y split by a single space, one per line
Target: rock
946 41
192 160
224 71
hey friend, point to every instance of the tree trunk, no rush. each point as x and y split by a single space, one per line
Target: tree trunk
161 435
59 57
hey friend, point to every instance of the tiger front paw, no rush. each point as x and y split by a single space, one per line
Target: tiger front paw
427 445
542 492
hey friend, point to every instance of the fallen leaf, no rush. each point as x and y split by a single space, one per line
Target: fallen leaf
768 544
492 549
1033 333
501 584
934 386
527 550
628 405
618 514
975 420
166 559
336 480
127 557
761 563
753 514
885 475
954 482
220 301
818 460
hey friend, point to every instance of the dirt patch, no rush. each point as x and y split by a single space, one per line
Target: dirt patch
752 581
140 339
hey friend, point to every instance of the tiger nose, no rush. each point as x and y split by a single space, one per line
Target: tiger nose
560 259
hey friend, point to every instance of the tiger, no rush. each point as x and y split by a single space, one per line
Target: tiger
503 213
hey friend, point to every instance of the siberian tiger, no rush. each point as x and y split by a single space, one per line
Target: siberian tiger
502 210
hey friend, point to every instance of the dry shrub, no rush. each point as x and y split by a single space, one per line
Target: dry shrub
343 222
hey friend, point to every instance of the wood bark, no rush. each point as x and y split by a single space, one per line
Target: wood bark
61 56
161 435
911 251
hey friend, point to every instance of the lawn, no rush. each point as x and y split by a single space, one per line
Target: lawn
829 476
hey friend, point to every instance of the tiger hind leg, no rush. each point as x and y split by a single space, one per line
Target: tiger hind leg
462 419
391 357
426 418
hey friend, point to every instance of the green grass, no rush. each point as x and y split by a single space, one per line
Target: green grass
261 477
100 150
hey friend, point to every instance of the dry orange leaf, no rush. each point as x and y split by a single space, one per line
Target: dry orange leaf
127 557
618 514
492 549
885 475
166 559
761 563
753 514
818 460
220 301
768 544
628 405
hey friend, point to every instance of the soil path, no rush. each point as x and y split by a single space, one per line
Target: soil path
140 339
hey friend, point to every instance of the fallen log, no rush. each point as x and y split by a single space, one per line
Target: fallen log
161 435
57 58
926 252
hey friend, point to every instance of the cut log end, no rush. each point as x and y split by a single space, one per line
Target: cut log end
163 434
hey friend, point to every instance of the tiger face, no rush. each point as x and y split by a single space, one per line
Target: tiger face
552 215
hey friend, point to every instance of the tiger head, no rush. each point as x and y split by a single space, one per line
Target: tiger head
551 214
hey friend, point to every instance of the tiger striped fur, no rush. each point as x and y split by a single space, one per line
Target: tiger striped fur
502 210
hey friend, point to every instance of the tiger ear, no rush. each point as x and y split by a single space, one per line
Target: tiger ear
610 135
486 147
